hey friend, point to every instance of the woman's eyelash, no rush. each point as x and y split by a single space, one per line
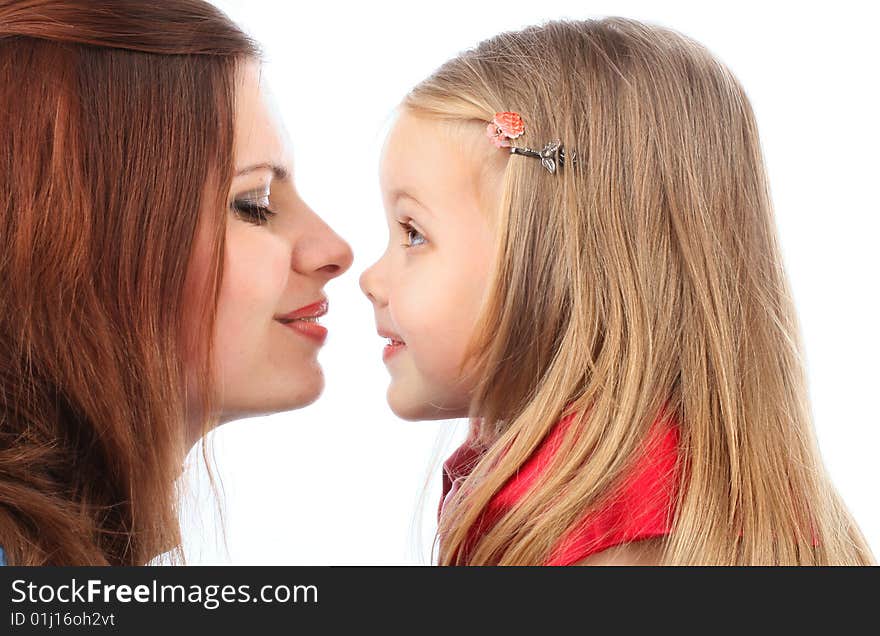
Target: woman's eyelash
252 211
410 230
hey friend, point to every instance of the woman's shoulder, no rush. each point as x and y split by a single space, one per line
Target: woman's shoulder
2 556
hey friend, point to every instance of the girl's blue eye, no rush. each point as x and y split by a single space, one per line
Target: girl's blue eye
414 237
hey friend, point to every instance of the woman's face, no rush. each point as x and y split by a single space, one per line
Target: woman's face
439 186
274 264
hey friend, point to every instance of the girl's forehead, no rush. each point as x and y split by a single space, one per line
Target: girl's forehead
427 157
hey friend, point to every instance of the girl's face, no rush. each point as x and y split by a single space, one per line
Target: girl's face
275 263
439 185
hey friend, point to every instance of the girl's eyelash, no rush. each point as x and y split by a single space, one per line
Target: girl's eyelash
409 229
252 211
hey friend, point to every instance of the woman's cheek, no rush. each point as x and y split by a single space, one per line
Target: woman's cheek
255 276
251 294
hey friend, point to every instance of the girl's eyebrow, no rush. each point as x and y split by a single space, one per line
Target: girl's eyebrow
400 193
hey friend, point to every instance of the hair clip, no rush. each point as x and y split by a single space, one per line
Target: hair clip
551 155
509 125
505 126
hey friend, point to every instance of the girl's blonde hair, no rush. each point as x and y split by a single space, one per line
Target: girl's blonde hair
646 275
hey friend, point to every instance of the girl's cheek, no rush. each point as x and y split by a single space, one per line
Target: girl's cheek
439 362
431 308
436 338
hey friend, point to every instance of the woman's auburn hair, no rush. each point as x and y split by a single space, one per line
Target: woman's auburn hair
647 275
117 130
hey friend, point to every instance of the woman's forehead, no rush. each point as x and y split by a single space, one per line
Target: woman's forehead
259 136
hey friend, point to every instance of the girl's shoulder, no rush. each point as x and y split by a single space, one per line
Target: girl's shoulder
644 552
630 530
2 556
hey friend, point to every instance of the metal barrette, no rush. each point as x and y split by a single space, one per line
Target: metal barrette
509 125
551 155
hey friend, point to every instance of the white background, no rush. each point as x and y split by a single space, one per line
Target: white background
338 482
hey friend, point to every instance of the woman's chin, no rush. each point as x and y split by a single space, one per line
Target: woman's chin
308 391
302 397
304 391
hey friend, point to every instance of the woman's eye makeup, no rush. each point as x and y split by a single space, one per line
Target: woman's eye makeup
253 207
413 236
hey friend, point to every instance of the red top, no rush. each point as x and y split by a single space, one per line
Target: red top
640 510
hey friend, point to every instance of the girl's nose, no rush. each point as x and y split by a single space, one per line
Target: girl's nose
371 284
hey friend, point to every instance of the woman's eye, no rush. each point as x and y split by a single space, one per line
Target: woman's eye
253 211
413 236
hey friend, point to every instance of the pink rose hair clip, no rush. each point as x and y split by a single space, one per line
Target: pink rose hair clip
508 125
505 126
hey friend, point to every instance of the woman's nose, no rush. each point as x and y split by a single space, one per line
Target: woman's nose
324 251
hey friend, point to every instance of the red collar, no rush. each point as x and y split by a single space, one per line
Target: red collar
640 510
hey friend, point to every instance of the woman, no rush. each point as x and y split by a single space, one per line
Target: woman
160 274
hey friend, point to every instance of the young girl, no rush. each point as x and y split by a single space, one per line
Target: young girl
583 260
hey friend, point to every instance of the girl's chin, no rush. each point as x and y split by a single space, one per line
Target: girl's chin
404 406
412 408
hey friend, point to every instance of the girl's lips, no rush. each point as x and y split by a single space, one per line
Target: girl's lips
391 349
311 330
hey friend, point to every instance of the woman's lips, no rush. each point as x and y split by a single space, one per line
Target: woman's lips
305 320
315 310
312 330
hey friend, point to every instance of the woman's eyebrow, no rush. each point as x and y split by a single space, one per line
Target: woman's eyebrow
278 171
